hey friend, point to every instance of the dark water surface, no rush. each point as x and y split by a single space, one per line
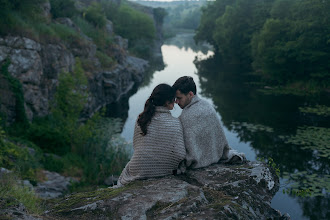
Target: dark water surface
258 124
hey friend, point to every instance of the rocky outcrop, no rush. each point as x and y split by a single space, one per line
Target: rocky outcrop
219 191
12 209
38 66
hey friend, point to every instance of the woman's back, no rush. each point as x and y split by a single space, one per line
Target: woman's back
157 153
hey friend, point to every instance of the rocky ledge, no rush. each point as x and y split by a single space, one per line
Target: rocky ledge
219 191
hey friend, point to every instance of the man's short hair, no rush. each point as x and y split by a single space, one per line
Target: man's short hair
185 84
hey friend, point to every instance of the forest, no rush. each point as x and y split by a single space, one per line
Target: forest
285 42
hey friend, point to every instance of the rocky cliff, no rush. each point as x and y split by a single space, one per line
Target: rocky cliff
37 66
219 191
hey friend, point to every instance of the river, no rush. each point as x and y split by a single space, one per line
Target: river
259 124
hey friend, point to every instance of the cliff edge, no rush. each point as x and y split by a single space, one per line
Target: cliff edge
219 191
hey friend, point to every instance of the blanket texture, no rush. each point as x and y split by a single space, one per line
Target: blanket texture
157 153
204 138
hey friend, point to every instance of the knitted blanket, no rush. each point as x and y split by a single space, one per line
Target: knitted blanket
157 153
204 138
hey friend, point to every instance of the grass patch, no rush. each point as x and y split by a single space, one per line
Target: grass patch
84 198
105 60
102 39
10 188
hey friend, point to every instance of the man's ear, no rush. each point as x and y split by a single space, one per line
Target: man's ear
191 94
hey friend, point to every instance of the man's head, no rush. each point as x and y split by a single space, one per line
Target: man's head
185 88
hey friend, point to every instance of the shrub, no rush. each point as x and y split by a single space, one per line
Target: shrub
100 38
105 153
95 15
10 189
63 8
133 24
104 59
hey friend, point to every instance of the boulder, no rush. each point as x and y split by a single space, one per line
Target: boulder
220 191
54 186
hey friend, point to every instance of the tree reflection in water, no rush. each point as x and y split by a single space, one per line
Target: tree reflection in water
268 122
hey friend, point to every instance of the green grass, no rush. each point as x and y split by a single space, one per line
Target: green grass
10 188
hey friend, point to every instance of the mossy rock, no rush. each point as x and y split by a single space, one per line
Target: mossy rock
219 191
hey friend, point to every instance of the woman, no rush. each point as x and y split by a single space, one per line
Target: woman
158 139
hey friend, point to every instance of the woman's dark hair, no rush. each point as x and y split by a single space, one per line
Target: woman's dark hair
185 84
159 96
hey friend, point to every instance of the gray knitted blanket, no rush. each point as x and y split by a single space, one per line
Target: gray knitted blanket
157 153
204 138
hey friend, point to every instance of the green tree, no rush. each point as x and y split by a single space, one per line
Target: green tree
294 43
159 14
235 28
210 13
62 132
133 24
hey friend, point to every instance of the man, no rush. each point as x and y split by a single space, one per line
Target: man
204 138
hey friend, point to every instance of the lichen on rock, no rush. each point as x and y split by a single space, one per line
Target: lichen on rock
220 191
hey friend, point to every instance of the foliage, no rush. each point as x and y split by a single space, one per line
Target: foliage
91 151
15 156
105 60
312 138
63 8
102 40
105 152
110 9
293 42
321 110
183 16
95 15
16 88
11 188
307 184
61 131
271 163
159 14
136 27
210 14
285 41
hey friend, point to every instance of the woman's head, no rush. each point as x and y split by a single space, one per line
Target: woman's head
162 95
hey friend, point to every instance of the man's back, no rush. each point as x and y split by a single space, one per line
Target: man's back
204 137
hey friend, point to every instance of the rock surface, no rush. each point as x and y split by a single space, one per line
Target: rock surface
54 186
219 191
38 66
12 209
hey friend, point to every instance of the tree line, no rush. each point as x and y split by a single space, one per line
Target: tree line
285 41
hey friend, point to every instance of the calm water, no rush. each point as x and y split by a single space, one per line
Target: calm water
255 123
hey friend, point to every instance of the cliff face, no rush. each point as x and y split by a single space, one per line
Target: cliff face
37 67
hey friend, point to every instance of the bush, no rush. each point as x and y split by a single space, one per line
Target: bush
18 158
105 153
105 60
95 15
13 193
100 38
133 24
63 8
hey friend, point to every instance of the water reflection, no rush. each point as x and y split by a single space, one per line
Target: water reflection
179 62
263 121
253 122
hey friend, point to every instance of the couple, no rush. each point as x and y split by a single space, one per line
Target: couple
164 145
